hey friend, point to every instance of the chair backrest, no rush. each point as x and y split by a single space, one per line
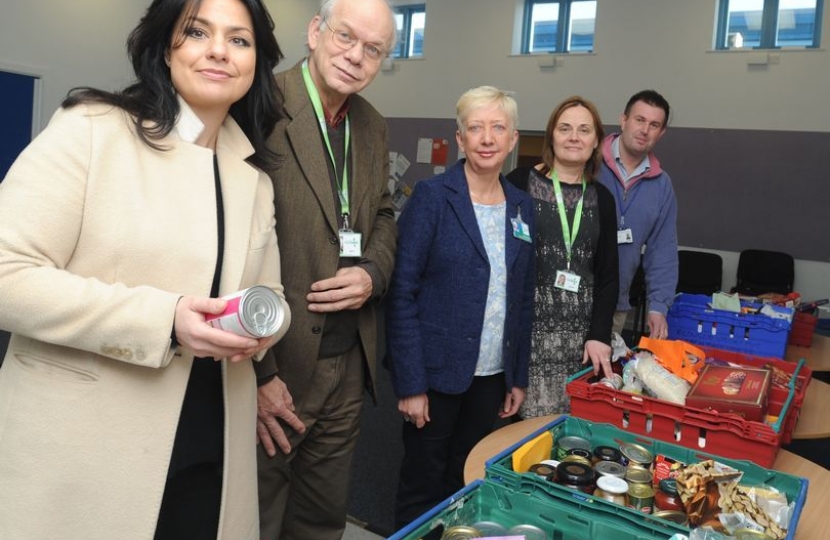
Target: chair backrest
761 271
699 272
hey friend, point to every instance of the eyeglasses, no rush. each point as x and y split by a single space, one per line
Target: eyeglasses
346 40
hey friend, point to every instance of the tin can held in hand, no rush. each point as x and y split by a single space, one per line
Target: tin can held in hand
254 312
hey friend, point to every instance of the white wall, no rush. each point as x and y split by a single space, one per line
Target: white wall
665 44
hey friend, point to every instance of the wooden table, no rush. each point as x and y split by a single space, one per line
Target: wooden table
813 524
814 422
817 357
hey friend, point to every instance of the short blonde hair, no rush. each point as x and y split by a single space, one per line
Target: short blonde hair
484 96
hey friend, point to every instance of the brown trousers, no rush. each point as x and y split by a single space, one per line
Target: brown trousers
304 495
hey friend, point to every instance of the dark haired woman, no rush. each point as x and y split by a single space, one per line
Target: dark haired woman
123 413
576 257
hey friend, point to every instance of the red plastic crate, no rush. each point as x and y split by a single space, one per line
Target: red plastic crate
801 332
699 429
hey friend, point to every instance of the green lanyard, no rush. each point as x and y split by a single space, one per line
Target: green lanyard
342 190
567 233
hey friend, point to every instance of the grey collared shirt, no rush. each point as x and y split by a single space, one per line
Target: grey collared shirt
626 176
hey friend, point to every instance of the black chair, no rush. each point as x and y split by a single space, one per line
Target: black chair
699 272
761 271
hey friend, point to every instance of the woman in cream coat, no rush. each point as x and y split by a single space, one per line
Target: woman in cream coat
108 251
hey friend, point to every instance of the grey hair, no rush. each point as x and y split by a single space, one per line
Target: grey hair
483 96
327 6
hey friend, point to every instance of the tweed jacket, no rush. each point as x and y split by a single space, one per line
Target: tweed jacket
101 235
307 223
440 285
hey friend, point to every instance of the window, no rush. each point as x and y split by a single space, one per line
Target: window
564 26
410 21
768 24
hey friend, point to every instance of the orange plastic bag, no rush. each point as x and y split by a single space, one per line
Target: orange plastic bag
681 358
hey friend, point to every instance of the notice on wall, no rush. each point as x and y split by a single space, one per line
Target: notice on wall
400 167
433 151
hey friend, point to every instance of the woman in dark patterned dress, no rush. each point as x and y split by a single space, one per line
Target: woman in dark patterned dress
576 257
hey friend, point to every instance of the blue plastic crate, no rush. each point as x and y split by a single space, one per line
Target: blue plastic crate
691 319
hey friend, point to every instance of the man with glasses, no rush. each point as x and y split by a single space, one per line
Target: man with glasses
646 208
337 235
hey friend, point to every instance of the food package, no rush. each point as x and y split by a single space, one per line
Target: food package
660 381
681 358
697 485
735 499
711 491
743 391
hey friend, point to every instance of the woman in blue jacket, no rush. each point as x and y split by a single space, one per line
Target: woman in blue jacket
460 305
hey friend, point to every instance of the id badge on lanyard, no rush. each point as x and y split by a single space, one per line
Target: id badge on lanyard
521 230
350 241
567 280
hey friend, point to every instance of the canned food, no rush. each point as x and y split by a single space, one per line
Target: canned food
612 489
636 475
615 381
606 453
640 497
567 443
490 528
609 468
255 312
636 455
460 532
530 532
675 516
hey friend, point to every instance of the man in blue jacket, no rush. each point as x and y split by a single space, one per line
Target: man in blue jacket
646 208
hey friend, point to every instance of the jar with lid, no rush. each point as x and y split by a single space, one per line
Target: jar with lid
574 475
666 497
573 458
612 489
606 453
609 468
636 475
634 455
542 470
581 452
567 443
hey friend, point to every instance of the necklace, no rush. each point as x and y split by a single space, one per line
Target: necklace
495 197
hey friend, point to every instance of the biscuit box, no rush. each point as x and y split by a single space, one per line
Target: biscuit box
736 390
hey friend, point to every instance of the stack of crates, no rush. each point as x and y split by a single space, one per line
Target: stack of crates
804 325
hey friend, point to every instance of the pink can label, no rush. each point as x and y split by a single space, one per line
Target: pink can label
255 312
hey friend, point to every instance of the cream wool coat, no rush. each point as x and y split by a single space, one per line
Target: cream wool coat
99 236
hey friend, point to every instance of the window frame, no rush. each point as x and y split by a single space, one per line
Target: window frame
563 30
402 47
769 27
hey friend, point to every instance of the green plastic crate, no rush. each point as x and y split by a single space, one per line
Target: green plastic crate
560 519
499 470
